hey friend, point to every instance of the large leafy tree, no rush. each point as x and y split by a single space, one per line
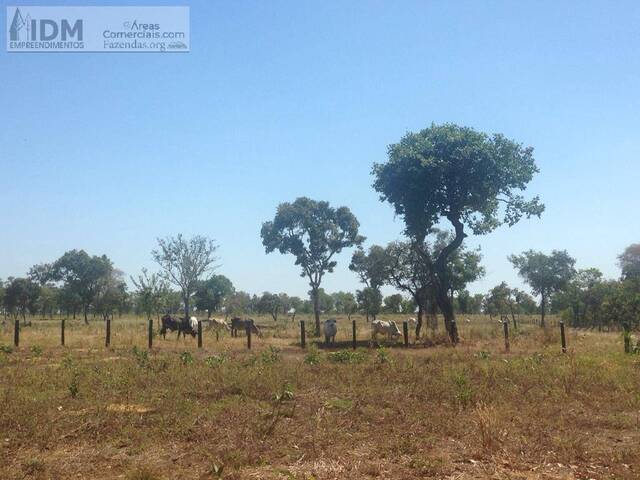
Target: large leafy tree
370 266
370 301
406 271
313 232
183 262
82 276
448 173
211 293
629 262
271 304
545 274
21 297
345 303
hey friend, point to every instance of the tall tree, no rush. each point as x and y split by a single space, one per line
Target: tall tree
392 303
545 274
270 303
370 266
408 273
455 174
345 303
150 289
629 262
183 262
82 276
314 233
21 297
211 293
370 301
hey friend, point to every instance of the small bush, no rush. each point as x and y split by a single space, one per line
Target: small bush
382 355
142 357
312 357
463 391
36 350
214 360
6 349
74 384
272 355
186 358
346 356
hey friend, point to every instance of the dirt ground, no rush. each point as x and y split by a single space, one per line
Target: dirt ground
281 412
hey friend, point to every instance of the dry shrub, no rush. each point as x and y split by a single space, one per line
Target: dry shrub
485 421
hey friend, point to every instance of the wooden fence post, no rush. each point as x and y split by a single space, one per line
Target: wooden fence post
563 339
505 324
249 325
62 332
353 333
217 335
150 333
199 333
405 333
16 333
107 340
303 335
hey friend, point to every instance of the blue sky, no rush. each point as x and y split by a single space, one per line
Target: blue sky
276 100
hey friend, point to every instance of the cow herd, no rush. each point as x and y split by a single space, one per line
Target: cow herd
189 326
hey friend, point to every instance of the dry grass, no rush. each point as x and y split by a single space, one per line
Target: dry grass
277 412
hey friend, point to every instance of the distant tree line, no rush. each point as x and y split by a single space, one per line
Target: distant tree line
445 182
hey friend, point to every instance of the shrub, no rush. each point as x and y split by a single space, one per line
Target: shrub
214 360
6 349
312 357
142 357
346 356
271 355
186 358
36 350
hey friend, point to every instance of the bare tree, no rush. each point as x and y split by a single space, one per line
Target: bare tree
184 262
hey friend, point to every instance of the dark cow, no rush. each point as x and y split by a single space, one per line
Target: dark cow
239 324
183 326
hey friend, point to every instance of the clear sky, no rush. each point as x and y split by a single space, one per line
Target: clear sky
108 151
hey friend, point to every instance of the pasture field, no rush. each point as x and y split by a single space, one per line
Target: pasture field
280 412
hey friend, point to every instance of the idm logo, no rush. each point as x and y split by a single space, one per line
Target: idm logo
25 28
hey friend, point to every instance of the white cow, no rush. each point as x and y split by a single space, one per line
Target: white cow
390 329
412 322
193 323
219 324
330 328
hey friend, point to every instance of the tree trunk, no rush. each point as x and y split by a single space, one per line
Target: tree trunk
419 322
316 308
86 320
446 307
185 299
543 302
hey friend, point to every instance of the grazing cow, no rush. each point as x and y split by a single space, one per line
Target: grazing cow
218 324
239 324
330 328
181 325
412 322
390 329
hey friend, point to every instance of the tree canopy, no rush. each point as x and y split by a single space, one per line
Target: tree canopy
313 232
459 175
545 274
183 262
